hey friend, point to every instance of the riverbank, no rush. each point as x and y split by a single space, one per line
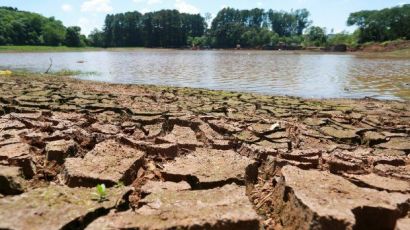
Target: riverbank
369 51
181 157
401 54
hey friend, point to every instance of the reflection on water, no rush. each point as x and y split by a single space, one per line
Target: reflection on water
269 72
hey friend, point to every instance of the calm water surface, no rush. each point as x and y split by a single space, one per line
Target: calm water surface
268 72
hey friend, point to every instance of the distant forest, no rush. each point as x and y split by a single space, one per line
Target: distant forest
26 28
253 28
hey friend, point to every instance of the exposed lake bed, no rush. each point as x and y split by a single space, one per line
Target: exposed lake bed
304 74
186 157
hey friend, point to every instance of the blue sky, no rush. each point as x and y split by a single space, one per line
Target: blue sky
90 14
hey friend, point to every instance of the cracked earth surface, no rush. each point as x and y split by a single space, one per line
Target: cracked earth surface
180 158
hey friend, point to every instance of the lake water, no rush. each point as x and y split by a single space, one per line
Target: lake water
307 75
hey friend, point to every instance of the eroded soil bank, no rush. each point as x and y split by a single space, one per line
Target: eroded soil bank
197 159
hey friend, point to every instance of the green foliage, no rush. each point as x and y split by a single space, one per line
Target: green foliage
315 36
343 38
382 25
287 24
101 192
165 28
73 37
256 28
96 38
198 41
25 28
258 38
53 34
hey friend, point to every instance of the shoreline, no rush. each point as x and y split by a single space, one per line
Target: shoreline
67 75
74 75
401 53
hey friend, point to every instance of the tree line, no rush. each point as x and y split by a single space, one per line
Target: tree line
26 28
255 28
165 28
169 28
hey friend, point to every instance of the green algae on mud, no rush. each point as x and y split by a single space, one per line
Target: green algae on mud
59 73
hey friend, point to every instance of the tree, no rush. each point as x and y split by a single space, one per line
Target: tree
302 20
26 28
164 28
382 25
96 38
73 37
316 36
53 33
257 37
343 38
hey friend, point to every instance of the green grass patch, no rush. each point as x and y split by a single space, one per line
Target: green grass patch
60 73
34 49
16 49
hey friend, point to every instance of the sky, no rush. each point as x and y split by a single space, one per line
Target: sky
90 14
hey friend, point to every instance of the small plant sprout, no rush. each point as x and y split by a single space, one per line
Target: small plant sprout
101 194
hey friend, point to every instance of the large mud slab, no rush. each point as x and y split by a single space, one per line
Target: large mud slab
55 207
221 208
109 162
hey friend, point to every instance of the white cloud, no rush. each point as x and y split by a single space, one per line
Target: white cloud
148 2
88 24
259 4
153 2
144 10
99 6
67 7
185 7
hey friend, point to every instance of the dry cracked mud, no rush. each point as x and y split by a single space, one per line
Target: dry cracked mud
180 158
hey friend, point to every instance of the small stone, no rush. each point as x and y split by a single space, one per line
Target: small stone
184 137
283 145
19 155
371 138
11 181
105 128
315 121
59 150
221 126
277 135
246 136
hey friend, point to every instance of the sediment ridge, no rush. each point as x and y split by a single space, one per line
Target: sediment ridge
182 158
